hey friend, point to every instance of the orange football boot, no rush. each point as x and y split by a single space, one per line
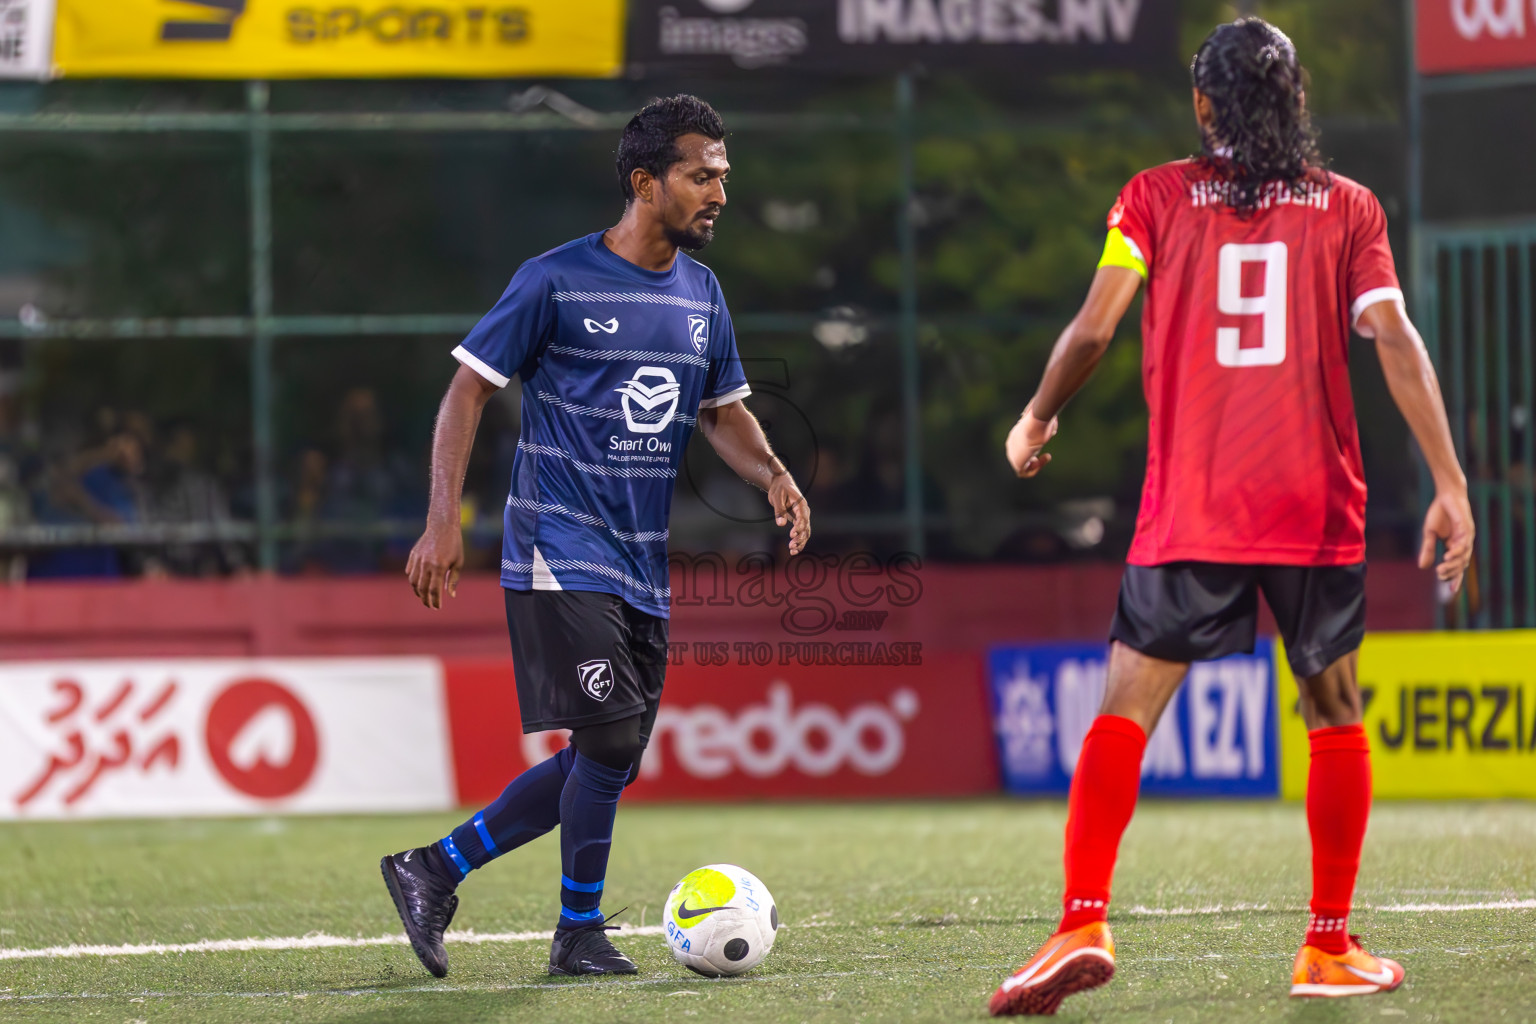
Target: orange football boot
1354 973
1071 961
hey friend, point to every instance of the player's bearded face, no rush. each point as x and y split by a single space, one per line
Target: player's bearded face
688 226
693 194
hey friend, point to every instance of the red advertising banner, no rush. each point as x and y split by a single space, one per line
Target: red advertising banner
1475 35
174 736
800 726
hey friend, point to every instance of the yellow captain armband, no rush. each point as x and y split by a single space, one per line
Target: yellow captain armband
1120 251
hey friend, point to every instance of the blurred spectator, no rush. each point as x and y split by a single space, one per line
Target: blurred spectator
106 484
101 486
488 478
15 511
363 487
182 491
361 484
871 488
305 498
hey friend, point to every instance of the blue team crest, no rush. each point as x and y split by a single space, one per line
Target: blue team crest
698 330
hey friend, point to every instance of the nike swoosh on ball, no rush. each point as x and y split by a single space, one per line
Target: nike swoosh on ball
685 913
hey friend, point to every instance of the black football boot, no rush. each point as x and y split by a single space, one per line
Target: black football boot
586 950
425 899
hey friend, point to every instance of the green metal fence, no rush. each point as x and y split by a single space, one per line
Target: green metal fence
1475 309
263 326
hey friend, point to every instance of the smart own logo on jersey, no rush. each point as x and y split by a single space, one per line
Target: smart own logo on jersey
698 332
649 407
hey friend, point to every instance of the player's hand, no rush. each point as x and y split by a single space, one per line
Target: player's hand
1450 520
434 565
1025 440
790 509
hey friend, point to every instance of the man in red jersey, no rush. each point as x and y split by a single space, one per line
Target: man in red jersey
1257 264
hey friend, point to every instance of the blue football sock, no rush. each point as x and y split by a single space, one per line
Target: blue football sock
587 808
526 809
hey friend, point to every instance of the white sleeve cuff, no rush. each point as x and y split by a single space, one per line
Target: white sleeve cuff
726 399
475 363
1369 299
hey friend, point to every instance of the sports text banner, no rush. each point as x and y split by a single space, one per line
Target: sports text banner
1448 715
1217 737
860 37
347 39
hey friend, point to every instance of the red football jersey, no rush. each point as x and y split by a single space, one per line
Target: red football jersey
1253 452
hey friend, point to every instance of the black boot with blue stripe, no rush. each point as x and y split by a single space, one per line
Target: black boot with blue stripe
422 883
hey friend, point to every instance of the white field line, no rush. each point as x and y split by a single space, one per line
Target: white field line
320 940
315 940
1390 908
130 996
559 986
1451 908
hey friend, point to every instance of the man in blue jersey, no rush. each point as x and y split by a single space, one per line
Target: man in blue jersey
622 343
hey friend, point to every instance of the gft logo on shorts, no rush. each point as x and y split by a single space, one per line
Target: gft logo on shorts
650 407
596 678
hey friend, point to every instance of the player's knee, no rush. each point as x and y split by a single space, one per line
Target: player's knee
615 745
1337 708
1332 700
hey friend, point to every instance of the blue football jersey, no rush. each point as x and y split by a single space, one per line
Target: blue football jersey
616 362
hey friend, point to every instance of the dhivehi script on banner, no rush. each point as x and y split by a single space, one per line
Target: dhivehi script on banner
169 737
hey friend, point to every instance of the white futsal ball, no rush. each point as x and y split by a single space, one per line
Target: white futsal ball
720 920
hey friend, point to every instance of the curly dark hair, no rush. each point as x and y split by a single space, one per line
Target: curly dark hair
1262 133
650 139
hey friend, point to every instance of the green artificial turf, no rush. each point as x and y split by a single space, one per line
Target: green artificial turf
893 912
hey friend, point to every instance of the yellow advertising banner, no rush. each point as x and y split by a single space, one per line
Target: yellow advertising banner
357 39
1448 715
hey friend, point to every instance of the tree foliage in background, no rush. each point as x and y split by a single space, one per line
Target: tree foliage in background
1014 179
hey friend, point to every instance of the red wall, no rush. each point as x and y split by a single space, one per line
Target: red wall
955 608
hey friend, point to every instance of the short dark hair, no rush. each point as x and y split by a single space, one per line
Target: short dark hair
1249 71
650 139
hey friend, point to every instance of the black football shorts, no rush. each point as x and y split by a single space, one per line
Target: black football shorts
584 658
1196 611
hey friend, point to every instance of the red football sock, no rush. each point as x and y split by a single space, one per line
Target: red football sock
1338 807
1104 789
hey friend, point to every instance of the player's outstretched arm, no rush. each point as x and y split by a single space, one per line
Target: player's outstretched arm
1077 352
435 561
738 438
1416 390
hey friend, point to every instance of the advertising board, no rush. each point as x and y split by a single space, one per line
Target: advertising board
1447 715
1217 738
